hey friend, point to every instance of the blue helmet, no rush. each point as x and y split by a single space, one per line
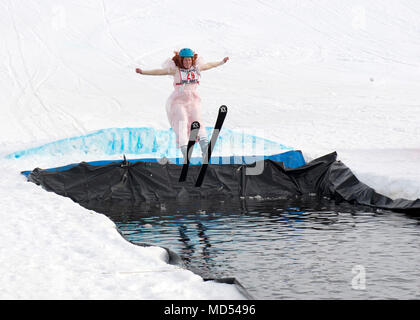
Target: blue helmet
186 52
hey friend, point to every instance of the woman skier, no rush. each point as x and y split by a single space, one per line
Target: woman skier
184 104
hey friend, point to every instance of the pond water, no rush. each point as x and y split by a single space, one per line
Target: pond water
300 248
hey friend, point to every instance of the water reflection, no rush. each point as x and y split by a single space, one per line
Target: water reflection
302 248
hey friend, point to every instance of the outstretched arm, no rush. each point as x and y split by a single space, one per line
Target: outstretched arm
211 65
155 72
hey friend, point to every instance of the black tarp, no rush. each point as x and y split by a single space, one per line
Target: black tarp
152 181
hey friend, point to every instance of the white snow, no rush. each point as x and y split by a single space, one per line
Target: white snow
320 76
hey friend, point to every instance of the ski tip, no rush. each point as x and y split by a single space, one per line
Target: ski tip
223 108
195 125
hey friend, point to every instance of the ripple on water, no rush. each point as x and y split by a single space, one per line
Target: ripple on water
300 248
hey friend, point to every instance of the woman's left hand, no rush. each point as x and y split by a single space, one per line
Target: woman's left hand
225 59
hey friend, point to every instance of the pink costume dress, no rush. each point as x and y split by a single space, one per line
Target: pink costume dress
184 104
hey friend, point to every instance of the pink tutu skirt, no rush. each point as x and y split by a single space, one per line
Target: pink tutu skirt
183 108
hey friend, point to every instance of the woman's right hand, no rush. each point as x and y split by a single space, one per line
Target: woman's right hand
138 70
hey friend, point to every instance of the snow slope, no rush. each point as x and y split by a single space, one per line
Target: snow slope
319 75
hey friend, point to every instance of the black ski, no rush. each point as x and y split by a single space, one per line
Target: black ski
206 158
195 127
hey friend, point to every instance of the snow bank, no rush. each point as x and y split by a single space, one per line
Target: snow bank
51 248
147 142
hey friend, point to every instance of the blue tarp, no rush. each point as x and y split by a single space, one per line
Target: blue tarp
291 159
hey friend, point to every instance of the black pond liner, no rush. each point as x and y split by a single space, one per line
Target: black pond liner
152 181
122 183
